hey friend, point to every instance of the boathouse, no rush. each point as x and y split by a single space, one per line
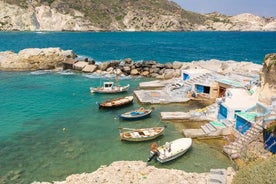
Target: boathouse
235 100
245 120
224 84
207 90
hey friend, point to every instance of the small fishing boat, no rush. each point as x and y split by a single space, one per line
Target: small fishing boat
140 113
117 102
170 151
142 134
109 87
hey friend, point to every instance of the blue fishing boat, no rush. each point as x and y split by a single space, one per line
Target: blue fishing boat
140 113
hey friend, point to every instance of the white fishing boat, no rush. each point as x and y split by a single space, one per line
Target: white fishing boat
109 87
171 150
141 134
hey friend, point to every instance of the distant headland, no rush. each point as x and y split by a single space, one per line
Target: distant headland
141 15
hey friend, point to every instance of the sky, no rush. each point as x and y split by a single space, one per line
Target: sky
266 8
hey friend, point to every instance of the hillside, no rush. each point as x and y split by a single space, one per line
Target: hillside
117 15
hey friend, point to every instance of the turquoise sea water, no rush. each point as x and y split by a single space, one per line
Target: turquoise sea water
162 46
50 125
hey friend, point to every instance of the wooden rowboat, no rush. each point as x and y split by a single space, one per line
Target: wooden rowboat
142 134
171 150
117 102
140 113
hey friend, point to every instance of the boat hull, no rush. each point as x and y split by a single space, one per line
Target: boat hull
113 91
115 103
133 115
173 150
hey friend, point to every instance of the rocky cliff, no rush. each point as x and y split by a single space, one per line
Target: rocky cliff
118 15
34 59
268 79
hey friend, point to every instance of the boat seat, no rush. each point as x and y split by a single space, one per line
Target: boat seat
135 134
146 132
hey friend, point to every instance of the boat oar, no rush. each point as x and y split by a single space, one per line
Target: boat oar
126 128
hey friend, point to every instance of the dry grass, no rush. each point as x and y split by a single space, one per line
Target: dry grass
262 171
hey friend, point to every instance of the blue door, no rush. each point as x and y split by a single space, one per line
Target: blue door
222 112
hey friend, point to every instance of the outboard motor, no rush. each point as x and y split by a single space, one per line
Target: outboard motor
152 155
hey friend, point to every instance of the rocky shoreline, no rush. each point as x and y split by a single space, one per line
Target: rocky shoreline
138 172
33 59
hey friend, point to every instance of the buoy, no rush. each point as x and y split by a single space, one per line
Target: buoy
63 129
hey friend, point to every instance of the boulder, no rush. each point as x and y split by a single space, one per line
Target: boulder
148 63
161 72
144 73
99 72
128 61
169 73
103 66
80 65
137 65
90 68
145 68
159 65
134 72
177 73
118 71
154 70
168 66
110 70
154 75
127 69
177 65
115 64
91 62
68 54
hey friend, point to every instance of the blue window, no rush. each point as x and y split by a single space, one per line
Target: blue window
186 76
199 89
